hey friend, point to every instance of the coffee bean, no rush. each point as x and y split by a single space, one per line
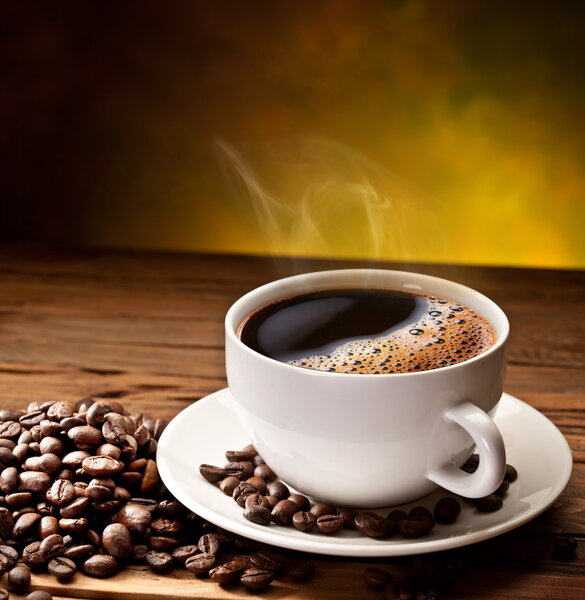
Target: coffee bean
60 410
228 485
159 562
348 515
329 524
246 453
258 514
100 565
502 489
300 569
73 526
151 479
510 474
278 490
34 482
266 559
18 499
6 523
79 552
416 526
10 414
242 491
256 579
32 418
62 568
52 445
101 466
20 452
489 503
242 469
26 525
271 501
75 508
377 578
52 546
74 459
471 464
446 511
19 577
322 508
420 511
210 543
259 484
116 540
212 474
201 564
182 553
6 457
39 595
304 520
32 557
371 524
48 525
10 429
264 472
162 543
227 572
302 502
135 517
257 500
8 558
86 434
283 512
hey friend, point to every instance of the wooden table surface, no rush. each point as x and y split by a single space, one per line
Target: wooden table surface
147 328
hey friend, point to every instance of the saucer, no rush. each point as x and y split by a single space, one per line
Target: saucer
205 430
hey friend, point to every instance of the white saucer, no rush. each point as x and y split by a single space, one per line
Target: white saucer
205 430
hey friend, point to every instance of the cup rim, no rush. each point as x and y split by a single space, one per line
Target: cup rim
231 327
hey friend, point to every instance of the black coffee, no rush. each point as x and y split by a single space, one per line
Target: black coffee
370 331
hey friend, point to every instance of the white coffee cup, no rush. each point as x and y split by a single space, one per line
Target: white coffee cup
371 440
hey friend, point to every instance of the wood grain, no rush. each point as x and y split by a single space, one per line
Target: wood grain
148 328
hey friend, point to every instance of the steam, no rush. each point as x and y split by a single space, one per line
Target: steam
315 197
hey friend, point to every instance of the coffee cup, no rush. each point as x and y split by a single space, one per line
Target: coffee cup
371 440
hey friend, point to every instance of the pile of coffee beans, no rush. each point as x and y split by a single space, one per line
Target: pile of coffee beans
265 500
80 491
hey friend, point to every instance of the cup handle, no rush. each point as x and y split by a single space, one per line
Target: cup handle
490 446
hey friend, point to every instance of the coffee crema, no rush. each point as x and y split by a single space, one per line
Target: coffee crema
368 331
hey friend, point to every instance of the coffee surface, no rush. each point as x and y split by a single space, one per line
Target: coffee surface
369 331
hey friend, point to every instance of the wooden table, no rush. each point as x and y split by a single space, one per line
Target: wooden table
147 328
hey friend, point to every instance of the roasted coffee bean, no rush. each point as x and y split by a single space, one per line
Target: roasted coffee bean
26 525
416 526
371 524
228 484
489 503
348 515
10 414
162 543
446 511
302 502
75 508
74 459
116 540
32 557
565 548
300 569
242 469
6 457
212 474
159 562
510 474
256 579
39 595
242 491
86 434
137 465
420 511
149 503
73 526
227 572
471 464
47 463
6 523
278 490
396 515
48 525
34 482
8 558
52 445
209 543
63 569
502 489
259 484
101 466
283 512
151 479
79 552
49 429
18 499
60 410
136 517
377 578
201 564
100 565
114 429
329 524
322 508
19 577
96 491
182 553
10 429
304 520
52 546
271 501
20 452
69 423
246 453
131 480
265 559
79 489
258 514
122 495
172 508
263 471
257 500
32 418
165 526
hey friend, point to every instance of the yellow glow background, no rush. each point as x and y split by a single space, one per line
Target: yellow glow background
471 115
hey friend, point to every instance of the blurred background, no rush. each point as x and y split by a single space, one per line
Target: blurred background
405 130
